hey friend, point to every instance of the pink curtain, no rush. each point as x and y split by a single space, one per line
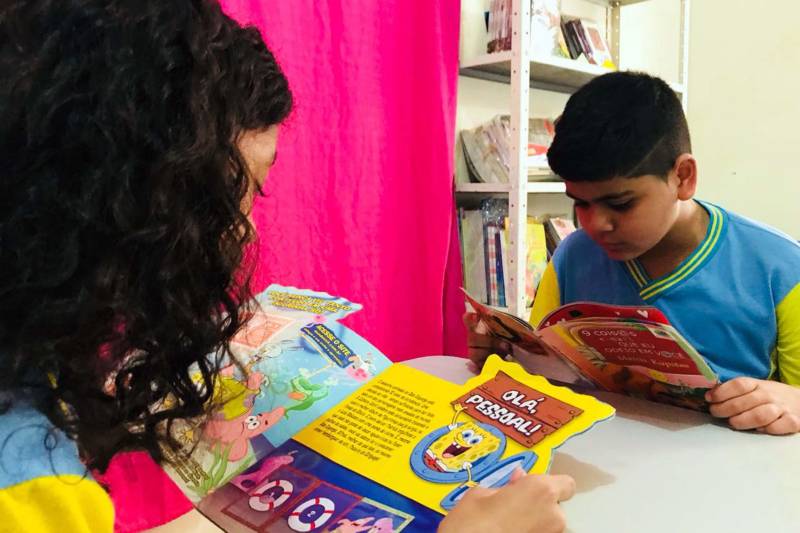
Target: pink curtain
360 203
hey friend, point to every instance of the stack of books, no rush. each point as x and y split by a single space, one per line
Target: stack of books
484 248
487 150
553 34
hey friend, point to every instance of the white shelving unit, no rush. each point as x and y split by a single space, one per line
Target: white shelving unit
519 69
531 187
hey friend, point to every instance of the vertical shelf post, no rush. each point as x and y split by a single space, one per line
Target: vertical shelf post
517 196
683 68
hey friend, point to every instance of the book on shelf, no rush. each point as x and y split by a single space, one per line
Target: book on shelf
472 243
600 52
319 431
584 36
536 257
552 34
557 228
499 26
623 349
487 149
546 37
485 250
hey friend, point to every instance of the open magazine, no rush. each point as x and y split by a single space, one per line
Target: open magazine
624 349
320 432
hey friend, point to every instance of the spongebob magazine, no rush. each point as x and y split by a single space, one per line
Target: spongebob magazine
319 431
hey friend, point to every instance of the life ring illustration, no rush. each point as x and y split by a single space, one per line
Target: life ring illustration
311 514
271 495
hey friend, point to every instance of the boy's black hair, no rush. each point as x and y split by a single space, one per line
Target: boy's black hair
623 124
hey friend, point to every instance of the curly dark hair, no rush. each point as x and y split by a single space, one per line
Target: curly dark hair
121 232
622 124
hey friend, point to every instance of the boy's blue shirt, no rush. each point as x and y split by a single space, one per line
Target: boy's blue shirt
736 298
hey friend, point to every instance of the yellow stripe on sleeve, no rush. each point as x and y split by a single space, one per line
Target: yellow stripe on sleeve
548 296
787 352
56 504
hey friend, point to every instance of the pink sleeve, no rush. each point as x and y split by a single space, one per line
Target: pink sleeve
143 495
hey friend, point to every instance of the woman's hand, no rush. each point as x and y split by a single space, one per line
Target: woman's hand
528 504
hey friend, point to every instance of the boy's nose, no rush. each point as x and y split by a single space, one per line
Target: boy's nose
600 222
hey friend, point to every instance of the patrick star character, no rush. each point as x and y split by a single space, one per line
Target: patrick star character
246 482
382 525
231 429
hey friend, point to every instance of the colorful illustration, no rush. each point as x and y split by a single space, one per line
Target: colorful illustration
472 452
432 440
312 493
294 362
625 349
317 431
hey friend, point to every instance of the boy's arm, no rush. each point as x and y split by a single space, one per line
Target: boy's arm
788 345
766 405
548 296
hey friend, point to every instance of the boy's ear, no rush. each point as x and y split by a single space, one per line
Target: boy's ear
685 170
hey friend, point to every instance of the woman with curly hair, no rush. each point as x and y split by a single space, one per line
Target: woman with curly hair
133 137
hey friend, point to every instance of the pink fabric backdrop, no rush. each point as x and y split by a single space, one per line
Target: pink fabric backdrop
360 203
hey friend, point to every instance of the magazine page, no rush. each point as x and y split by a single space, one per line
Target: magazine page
296 362
630 350
528 348
506 326
297 489
431 440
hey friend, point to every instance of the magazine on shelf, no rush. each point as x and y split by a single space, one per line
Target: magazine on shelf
625 349
320 432
487 149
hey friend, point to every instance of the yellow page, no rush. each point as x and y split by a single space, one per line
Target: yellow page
430 440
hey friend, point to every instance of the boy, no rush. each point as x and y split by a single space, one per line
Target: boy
730 285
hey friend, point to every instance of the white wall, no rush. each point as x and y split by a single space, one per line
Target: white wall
743 107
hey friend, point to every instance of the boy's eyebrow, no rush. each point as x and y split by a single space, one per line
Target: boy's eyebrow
604 198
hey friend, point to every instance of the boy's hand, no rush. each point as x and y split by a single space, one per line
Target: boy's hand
481 344
748 403
528 504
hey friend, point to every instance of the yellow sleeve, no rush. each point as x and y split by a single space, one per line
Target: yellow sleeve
55 504
548 296
787 356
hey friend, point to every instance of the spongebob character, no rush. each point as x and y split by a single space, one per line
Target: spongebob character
461 447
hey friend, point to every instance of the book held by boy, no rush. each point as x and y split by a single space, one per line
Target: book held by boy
623 349
320 432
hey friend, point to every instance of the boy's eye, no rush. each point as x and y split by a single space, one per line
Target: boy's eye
580 205
622 206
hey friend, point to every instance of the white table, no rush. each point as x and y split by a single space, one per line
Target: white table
656 468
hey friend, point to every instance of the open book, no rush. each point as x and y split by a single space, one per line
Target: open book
320 432
624 349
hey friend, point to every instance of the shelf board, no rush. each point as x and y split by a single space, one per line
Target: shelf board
550 73
554 187
614 3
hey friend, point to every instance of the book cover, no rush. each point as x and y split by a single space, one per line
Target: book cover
403 450
623 349
295 361
580 36
597 43
385 447
536 258
473 245
546 37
